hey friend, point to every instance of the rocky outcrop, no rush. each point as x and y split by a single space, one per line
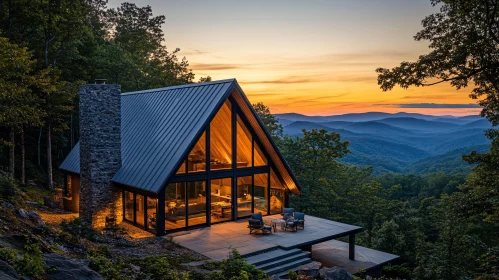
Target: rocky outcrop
8 205
335 273
309 269
22 213
61 268
35 218
7 272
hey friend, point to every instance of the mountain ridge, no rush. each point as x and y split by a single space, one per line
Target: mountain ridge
394 142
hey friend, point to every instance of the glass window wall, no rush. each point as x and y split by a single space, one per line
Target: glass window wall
196 198
175 208
139 209
260 191
129 209
277 190
244 196
196 160
221 200
244 139
221 138
260 159
152 209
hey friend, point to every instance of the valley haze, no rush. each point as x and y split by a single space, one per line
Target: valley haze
400 142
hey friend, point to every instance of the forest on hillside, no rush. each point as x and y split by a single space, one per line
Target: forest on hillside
444 226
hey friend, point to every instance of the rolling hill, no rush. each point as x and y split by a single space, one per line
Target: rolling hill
402 142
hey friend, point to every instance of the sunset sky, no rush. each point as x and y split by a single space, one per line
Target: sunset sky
315 57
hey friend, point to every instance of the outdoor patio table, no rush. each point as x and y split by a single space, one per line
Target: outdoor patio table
277 222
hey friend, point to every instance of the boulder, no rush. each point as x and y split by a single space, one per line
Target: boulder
62 268
8 205
335 273
22 213
33 203
7 272
35 217
309 269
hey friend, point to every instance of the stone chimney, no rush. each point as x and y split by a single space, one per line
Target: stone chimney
100 152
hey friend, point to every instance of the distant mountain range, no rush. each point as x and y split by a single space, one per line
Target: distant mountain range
401 142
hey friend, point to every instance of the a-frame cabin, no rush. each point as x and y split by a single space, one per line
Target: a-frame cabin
191 156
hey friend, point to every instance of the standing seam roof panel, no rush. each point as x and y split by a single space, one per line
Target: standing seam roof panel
165 99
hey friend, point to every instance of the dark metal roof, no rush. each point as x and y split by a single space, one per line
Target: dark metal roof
157 128
72 162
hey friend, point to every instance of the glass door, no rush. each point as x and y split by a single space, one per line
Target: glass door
196 203
221 200
244 196
260 193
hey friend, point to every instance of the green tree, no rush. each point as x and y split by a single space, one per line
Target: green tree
464 42
136 38
54 31
204 79
455 251
270 121
19 107
313 159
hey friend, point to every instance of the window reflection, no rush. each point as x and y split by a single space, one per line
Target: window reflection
261 193
221 139
244 138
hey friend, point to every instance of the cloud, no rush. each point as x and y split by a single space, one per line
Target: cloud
193 52
436 106
288 80
314 79
439 96
216 66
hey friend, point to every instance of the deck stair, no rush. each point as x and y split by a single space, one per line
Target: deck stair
279 261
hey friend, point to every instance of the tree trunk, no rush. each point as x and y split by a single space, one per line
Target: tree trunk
11 153
23 155
50 180
39 147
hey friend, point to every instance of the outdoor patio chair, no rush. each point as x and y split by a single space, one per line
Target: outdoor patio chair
289 211
256 223
300 220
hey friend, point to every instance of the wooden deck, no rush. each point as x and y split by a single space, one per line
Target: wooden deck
335 253
217 241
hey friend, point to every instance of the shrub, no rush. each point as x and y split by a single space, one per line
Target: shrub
9 190
158 267
79 229
106 268
30 263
